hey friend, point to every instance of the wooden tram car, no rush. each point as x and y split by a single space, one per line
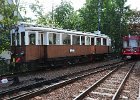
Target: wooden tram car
131 47
31 43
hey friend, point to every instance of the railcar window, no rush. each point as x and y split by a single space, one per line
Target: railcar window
98 41
54 38
57 39
22 38
32 39
133 43
51 38
13 39
83 40
17 38
88 40
76 39
92 41
125 44
42 39
138 42
104 41
66 39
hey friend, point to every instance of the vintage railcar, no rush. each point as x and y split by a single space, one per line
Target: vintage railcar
131 47
32 43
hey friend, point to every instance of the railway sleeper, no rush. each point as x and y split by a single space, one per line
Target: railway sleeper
99 95
102 94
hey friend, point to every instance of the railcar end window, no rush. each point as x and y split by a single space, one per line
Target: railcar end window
125 44
133 43
32 39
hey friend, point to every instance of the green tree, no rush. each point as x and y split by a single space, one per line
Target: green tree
134 23
65 16
62 16
42 17
114 18
7 20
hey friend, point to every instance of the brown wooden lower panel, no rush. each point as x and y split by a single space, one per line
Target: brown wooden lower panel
34 52
64 50
101 49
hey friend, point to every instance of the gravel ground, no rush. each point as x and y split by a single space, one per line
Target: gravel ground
71 90
31 78
131 89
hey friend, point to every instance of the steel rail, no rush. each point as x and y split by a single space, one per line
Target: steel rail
116 95
91 88
84 93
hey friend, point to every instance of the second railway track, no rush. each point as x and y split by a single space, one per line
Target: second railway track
108 87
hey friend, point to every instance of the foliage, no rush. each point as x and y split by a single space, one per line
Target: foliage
6 22
114 18
134 22
62 13
38 10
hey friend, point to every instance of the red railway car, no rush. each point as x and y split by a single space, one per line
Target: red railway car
131 46
32 43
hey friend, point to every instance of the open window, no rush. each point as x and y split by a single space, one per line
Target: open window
83 40
92 41
104 41
98 41
66 39
32 39
88 41
40 38
54 39
22 38
17 37
76 40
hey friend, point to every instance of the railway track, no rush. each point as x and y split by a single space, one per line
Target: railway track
62 82
41 81
108 87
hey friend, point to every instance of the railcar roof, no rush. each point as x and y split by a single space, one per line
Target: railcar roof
62 31
33 27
